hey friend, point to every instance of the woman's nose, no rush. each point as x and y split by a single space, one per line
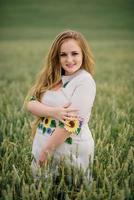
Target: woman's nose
69 58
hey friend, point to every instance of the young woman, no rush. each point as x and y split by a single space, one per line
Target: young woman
62 99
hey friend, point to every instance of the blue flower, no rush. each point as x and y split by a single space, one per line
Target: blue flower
81 122
49 130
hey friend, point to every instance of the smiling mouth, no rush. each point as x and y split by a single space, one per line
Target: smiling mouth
70 66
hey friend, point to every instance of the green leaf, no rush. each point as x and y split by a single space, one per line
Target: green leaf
53 123
61 124
69 140
32 98
65 84
78 130
44 129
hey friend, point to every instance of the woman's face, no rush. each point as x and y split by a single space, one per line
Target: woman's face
70 56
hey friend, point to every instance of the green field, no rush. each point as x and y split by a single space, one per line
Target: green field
27 28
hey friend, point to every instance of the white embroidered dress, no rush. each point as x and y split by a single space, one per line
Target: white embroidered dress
80 90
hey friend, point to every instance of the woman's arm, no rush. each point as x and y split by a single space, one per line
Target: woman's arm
39 109
54 141
60 113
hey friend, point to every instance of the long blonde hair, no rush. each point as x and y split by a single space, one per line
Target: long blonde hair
51 72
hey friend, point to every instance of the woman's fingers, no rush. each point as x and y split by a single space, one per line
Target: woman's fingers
68 109
72 110
67 105
73 115
70 118
64 122
66 113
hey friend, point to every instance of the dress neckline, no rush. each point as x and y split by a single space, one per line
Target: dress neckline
66 78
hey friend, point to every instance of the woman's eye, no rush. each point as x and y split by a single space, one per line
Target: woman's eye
75 53
62 55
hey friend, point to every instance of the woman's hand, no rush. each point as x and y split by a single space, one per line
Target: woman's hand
54 141
42 158
61 113
65 113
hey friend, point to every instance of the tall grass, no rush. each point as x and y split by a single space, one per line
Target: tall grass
27 29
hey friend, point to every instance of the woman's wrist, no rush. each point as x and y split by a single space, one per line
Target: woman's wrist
53 112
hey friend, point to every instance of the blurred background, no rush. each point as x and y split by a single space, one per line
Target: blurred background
27 28
42 19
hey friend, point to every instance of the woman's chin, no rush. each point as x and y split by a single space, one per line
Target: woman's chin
70 71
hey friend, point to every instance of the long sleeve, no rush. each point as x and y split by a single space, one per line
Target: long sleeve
82 98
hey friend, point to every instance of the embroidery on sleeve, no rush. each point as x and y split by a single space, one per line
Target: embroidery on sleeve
65 84
47 125
33 98
72 126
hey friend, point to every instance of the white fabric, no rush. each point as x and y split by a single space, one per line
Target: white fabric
80 91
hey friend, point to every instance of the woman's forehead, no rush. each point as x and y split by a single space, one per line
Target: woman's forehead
70 45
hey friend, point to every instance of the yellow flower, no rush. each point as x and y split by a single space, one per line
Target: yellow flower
47 122
72 125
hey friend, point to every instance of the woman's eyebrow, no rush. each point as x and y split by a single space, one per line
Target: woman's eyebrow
74 51
71 52
62 52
